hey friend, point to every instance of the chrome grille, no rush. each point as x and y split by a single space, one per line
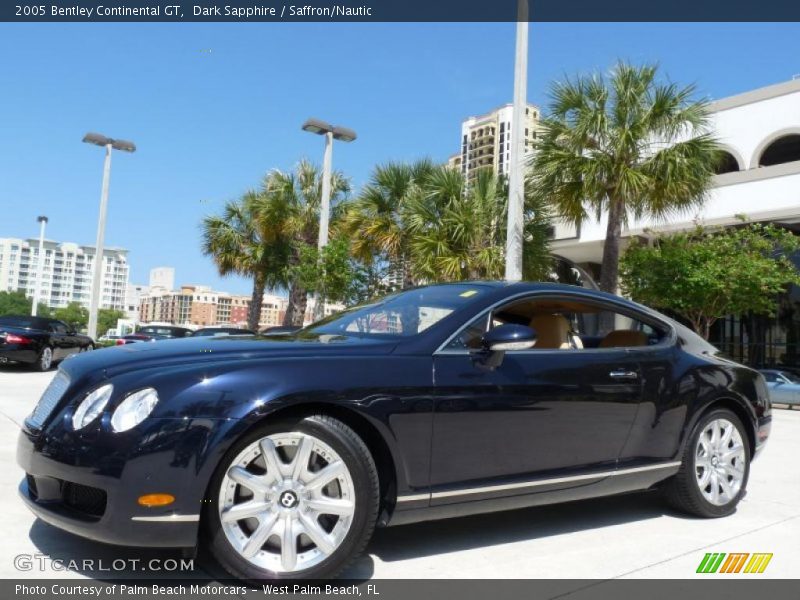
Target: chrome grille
49 399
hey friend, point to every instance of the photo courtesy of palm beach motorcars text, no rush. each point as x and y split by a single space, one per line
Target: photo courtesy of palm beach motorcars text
404 300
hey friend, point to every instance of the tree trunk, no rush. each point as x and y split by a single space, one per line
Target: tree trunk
408 279
254 310
296 309
609 270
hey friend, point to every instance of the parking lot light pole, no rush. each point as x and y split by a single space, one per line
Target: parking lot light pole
331 133
97 278
37 291
516 178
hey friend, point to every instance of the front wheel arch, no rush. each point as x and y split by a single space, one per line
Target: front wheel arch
377 446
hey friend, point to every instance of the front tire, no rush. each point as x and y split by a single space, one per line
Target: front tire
297 498
715 467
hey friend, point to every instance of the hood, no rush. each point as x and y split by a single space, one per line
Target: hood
144 355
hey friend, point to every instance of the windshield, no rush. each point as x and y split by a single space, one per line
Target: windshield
791 377
400 315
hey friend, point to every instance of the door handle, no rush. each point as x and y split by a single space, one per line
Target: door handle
623 374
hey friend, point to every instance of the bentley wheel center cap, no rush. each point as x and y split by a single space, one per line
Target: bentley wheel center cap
288 499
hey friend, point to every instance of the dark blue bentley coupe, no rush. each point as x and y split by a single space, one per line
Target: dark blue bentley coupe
281 454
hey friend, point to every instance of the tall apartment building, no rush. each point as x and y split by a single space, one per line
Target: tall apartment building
486 140
67 274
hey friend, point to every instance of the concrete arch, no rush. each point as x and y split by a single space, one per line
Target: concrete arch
735 155
767 141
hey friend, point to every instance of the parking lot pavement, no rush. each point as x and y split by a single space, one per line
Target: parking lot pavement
631 536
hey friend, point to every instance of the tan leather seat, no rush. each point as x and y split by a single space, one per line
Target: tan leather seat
623 338
553 332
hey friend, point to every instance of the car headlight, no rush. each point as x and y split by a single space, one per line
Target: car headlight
134 409
91 406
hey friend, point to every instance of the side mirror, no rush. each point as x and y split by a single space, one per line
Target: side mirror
508 337
497 341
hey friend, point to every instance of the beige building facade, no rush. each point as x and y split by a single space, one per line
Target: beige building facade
486 140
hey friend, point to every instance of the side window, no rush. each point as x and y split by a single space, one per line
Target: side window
469 338
770 377
57 327
564 324
604 328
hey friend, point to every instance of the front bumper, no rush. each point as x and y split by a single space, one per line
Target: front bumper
763 428
92 491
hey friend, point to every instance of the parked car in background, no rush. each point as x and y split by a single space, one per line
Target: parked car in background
281 454
164 332
280 329
39 341
218 331
784 386
108 338
132 338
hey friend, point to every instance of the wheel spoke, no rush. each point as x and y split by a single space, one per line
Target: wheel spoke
726 435
245 510
733 452
318 535
325 476
702 481
734 470
726 488
276 468
714 487
288 544
301 457
256 483
332 506
260 536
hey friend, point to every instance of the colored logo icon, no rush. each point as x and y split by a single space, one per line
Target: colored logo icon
735 562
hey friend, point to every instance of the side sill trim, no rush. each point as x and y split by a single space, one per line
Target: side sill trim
169 519
536 483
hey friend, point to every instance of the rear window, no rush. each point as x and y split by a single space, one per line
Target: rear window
24 322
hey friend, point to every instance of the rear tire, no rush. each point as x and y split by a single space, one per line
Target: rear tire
714 469
282 526
45 360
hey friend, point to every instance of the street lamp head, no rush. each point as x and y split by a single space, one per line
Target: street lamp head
41 219
123 145
101 140
317 126
344 134
96 139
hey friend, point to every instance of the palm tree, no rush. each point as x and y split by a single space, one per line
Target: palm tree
624 145
375 222
458 231
288 213
238 246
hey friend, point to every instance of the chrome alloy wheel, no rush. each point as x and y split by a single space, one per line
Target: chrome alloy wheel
46 359
286 502
719 462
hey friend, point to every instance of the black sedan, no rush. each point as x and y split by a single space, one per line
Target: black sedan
281 454
38 341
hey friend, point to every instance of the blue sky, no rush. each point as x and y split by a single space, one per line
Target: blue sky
212 107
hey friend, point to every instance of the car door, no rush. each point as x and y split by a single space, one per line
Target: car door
546 413
60 339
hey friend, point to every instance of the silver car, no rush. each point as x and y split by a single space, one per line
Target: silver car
784 387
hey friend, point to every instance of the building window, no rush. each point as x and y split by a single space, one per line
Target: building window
783 150
726 164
